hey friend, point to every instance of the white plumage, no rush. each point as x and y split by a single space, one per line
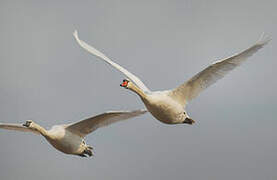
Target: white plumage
169 106
69 138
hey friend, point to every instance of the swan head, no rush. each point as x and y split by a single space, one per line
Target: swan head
125 83
28 123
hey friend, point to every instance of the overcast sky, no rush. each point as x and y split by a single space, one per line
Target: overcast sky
45 76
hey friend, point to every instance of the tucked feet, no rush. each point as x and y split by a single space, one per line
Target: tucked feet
87 152
90 147
188 121
82 155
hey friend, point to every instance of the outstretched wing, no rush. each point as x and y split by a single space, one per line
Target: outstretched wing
99 54
194 86
89 125
17 127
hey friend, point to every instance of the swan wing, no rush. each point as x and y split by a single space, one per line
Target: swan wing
89 125
17 127
99 54
194 86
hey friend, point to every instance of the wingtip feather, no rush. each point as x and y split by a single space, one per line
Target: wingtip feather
75 33
264 39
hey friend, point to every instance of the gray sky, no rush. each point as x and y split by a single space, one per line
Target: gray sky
47 77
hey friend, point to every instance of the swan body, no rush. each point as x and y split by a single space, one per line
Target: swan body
65 141
164 108
169 106
69 138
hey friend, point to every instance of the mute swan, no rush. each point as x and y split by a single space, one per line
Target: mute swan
69 139
169 106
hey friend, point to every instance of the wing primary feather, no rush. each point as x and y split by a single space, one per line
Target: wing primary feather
89 125
202 80
17 127
102 56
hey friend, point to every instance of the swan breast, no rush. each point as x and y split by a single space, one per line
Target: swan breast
164 108
63 140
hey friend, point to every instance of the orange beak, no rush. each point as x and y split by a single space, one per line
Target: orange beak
124 84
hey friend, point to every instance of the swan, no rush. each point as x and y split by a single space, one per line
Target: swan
69 138
169 106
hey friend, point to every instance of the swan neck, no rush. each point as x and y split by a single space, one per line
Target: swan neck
137 90
41 130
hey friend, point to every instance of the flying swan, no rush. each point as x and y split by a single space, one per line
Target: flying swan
69 138
169 106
